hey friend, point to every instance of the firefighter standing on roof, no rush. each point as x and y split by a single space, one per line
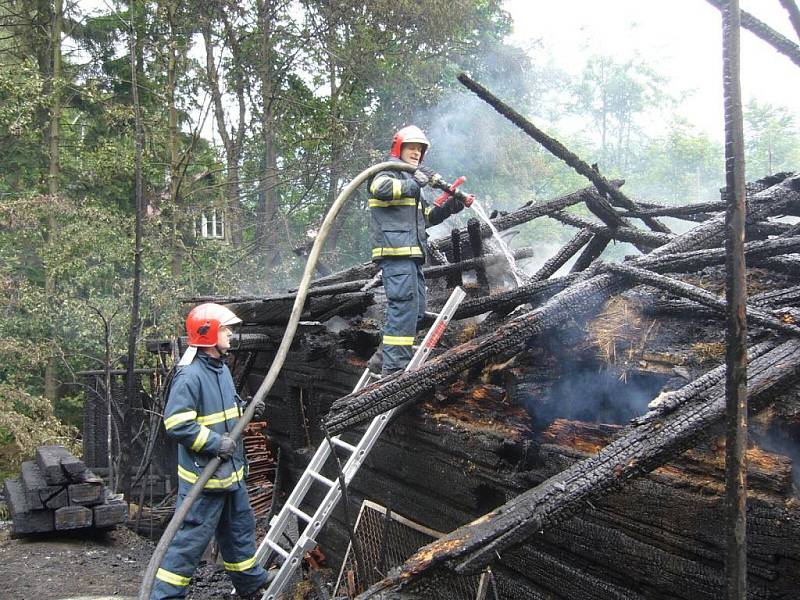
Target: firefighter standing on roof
203 407
401 207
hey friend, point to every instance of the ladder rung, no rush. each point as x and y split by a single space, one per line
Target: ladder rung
322 479
342 444
277 548
299 513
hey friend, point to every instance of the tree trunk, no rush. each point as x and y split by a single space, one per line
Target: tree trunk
267 209
53 173
130 378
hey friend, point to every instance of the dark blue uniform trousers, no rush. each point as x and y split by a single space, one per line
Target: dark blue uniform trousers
404 285
228 514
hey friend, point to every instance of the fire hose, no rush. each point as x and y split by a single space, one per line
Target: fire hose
280 356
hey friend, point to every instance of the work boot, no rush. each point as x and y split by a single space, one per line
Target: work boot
262 589
375 362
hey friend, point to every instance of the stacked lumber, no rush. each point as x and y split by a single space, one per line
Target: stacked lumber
56 492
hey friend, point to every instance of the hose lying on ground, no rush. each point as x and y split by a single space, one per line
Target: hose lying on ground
272 374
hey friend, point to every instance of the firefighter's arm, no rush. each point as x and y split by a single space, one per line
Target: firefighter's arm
180 417
436 214
388 186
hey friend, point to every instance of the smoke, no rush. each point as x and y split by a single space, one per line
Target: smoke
583 393
781 439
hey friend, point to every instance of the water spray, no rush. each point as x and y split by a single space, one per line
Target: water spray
272 375
469 200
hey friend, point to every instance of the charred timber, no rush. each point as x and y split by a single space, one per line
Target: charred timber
591 252
688 210
782 44
769 202
638 237
397 389
505 302
685 290
560 258
637 451
668 402
794 14
695 260
276 310
557 149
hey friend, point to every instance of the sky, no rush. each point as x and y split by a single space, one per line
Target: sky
682 39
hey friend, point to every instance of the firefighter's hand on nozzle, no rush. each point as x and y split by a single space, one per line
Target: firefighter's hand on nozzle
421 178
456 205
226 447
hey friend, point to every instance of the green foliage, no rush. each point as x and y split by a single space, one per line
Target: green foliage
28 421
772 139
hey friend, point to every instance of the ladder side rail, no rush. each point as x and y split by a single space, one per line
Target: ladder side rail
279 522
377 425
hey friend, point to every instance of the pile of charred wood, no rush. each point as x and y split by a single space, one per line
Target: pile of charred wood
56 492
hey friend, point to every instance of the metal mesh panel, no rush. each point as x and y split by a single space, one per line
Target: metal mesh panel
386 542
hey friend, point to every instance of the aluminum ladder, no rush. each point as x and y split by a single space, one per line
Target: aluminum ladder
313 473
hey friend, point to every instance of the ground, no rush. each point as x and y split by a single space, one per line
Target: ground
102 566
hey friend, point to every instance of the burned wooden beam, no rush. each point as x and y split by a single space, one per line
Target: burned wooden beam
575 301
794 14
560 258
670 401
781 43
557 149
771 201
637 451
697 259
688 210
697 294
648 239
591 252
505 302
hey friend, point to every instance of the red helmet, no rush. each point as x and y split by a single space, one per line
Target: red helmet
203 323
407 135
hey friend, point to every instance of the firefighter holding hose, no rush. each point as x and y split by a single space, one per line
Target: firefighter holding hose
202 409
402 206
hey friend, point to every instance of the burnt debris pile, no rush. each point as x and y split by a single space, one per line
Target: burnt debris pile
567 433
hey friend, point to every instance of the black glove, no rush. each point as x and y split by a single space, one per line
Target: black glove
456 205
226 447
260 410
420 177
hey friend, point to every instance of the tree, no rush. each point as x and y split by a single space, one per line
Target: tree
615 96
772 139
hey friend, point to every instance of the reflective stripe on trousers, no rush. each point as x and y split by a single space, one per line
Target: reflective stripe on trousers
404 285
229 516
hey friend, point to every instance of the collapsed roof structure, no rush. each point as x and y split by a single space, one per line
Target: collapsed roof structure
568 389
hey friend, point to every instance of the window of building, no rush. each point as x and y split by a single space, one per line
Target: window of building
211 224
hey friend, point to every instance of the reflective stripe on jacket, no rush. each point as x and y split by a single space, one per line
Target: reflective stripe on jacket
202 406
399 214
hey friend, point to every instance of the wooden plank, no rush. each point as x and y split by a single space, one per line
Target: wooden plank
86 494
72 517
34 485
110 514
74 467
56 500
24 520
49 460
